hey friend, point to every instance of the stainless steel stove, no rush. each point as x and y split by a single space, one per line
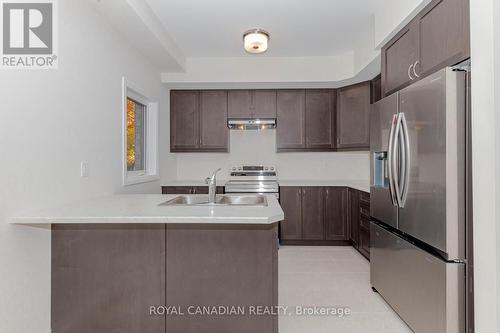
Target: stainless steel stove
260 179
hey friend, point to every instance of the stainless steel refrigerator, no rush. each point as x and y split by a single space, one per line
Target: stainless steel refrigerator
418 202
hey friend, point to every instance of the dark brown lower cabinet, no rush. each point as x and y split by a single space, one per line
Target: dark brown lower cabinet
313 213
291 203
106 277
359 221
189 189
353 198
336 213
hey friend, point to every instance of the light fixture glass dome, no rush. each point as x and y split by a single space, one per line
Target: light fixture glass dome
256 40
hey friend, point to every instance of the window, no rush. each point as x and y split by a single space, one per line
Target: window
140 132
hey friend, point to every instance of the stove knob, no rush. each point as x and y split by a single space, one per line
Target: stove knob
239 168
266 168
234 168
272 168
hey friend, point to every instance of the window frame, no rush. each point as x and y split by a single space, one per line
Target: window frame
150 172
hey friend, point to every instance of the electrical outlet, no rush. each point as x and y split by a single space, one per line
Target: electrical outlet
84 169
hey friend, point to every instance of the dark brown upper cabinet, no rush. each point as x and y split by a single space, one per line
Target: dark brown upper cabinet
444 35
398 57
313 213
244 104
336 213
198 121
291 203
291 119
437 37
184 120
320 119
353 117
376 89
214 134
305 120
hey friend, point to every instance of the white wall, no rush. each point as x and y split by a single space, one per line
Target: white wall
485 95
50 121
259 147
496 18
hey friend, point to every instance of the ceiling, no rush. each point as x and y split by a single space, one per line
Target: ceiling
298 28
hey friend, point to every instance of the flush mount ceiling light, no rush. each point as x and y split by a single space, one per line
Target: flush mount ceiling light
256 40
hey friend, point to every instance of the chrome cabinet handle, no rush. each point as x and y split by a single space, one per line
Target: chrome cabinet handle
390 158
414 68
409 72
406 170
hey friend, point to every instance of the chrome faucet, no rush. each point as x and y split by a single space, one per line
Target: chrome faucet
212 186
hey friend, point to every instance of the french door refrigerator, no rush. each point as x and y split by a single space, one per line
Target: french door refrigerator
418 202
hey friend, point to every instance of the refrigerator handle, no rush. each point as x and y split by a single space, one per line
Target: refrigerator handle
395 166
390 157
406 168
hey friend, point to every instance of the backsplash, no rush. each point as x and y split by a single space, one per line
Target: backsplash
259 147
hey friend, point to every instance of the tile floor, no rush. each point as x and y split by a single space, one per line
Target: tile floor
331 277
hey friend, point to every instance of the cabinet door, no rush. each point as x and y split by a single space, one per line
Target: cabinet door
336 213
263 104
291 117
184 120
177 190
353 199
313 213
291 203
444 35
214 134
376 87
353 116
319 119
397 57
239 103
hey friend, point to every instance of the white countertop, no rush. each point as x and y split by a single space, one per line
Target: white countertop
145 208
361 185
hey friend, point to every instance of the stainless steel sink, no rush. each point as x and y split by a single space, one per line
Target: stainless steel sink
220 200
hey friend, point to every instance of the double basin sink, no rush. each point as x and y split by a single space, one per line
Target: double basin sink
220 200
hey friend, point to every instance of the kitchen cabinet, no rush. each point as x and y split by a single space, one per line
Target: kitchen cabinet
291 120
353 199
214 134
353 117
313 213
244 104
184 120
305 120
359 221
376 89
444 35
437 37
336 213
189 189
106 276
198 121
320 129
291 203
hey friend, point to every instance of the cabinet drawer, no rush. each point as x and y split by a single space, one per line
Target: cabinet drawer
364 211
364 243
364 198
364 223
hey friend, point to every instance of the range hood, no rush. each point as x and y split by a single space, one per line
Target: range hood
251 124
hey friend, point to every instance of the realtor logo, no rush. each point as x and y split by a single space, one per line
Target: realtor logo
28 34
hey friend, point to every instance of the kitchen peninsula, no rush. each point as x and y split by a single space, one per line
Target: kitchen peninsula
115 258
